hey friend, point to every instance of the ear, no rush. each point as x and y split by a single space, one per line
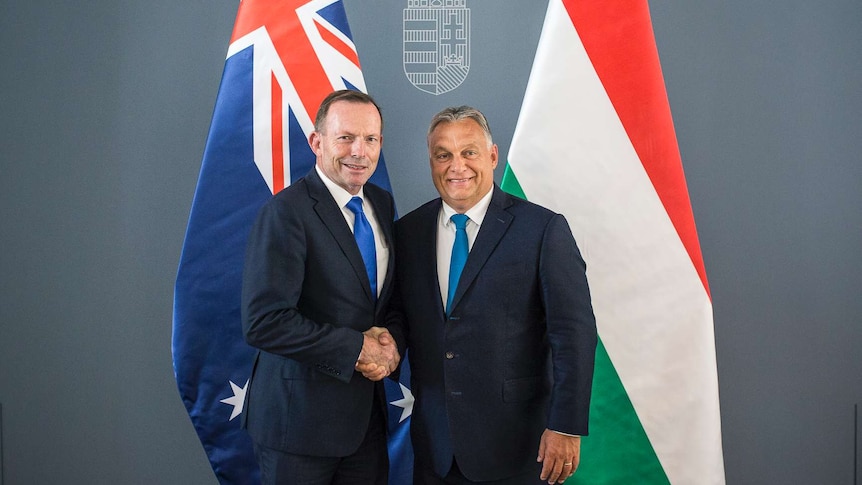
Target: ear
314 142
493 156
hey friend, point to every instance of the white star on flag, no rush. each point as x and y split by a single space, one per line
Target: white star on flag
237 399
406 403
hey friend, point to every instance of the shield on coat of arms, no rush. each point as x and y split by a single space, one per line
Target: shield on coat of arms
436 52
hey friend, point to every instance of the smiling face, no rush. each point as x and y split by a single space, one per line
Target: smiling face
348 145
462 163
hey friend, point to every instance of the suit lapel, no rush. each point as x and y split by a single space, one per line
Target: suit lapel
427 238
333 219
422 253
384 219
494 226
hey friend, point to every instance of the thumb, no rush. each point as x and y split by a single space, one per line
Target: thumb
385 338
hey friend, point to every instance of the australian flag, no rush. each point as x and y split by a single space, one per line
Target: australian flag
284 57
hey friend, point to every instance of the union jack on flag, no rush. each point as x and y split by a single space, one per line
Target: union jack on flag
284 57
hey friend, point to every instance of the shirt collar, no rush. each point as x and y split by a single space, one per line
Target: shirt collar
475 213
341 196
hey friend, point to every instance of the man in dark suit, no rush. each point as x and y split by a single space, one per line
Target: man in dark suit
502 356
316 280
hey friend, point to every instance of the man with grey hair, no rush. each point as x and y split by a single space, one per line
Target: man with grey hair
492 301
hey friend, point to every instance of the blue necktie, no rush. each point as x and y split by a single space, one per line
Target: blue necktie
460 250
365 240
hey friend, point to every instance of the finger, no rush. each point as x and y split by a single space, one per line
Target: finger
385 338
556 473
547 469
568 470
375 375
366 367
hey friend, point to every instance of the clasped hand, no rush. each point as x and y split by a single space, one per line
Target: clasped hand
379 356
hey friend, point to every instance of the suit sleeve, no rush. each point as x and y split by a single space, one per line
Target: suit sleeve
273 283
571 328
395 320
395 323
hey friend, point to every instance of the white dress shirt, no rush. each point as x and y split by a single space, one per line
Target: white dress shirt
342 197
446 237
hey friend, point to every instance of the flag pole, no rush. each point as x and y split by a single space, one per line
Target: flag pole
2 479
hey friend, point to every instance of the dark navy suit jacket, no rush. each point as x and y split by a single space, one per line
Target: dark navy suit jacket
516 354
306 300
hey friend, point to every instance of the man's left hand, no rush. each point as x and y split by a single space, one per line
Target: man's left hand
559 455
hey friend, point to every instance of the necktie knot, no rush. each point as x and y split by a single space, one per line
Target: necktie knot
355 205
460 221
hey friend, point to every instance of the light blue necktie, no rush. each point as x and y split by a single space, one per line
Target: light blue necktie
365 240
460 250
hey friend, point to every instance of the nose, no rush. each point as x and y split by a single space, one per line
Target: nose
357 149
458 163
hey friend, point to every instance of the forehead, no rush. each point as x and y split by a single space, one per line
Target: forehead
348 115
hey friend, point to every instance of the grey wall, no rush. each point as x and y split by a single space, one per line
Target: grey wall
502 46
104 110
767 104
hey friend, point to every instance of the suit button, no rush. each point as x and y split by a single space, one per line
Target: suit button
450 355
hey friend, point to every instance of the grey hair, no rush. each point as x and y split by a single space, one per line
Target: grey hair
460 113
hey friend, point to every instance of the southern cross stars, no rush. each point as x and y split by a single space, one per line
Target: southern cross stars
236 400
405 403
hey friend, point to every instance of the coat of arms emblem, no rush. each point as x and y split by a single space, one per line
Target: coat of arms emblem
436 44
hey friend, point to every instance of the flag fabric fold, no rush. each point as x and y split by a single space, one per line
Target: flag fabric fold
595 141
284 57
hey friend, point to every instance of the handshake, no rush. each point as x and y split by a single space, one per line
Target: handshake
379 356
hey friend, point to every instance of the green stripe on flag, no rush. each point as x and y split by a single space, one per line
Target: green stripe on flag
510 183
617 451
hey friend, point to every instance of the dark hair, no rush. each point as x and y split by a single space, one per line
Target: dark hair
348 95
459 113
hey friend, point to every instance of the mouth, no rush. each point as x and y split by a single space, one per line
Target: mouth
460 181
353 166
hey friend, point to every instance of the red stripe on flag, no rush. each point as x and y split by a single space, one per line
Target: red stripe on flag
338 44
277 137
298 56
618 38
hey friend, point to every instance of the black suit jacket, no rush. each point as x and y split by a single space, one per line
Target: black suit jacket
516 354
306 300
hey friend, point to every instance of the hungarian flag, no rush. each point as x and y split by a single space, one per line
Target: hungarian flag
595 141
284 57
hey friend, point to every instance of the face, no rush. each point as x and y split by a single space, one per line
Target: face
462 163
348 146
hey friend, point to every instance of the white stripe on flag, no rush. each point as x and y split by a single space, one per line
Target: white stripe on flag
571 153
